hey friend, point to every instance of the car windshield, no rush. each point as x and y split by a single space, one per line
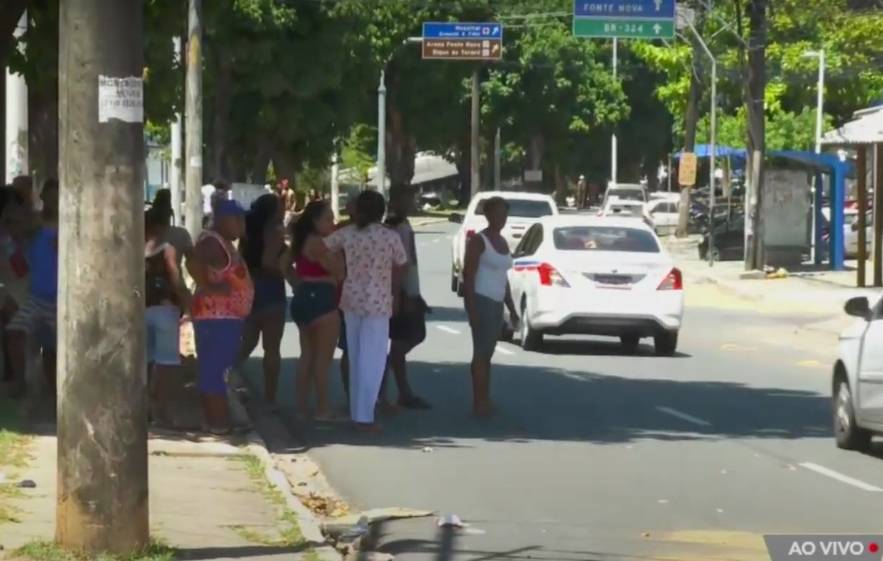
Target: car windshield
604 238
522 208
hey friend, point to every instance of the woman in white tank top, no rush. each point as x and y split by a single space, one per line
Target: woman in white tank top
485 275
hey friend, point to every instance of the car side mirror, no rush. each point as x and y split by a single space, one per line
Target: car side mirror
456 218
859 307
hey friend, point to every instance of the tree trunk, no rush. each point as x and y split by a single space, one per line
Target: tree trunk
560 186
43 93
535 151
691 120
755 87
222 89
401 148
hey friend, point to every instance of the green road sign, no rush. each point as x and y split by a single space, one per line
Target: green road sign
624 28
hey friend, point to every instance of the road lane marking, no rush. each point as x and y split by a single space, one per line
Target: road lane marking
447 329
822 470
683 416
503 350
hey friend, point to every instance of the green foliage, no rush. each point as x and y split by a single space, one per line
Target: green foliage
357 153
48 551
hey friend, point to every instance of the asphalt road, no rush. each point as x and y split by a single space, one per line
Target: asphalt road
598 455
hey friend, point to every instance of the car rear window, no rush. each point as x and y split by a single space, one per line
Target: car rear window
604 238
522 208
627 194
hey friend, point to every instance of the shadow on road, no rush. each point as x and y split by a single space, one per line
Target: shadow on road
548 404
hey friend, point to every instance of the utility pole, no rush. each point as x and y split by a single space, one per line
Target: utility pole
16 160
102 499
614 148
498 156
335 184
381 133
475 153
193 114
175 169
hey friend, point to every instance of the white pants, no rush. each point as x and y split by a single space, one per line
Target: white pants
367 342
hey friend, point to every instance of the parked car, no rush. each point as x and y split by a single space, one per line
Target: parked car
581 274
664 215
857 380
524 210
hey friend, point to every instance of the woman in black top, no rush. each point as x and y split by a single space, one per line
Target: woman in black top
263 249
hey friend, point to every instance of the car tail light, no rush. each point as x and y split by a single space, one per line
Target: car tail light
673 281
549 276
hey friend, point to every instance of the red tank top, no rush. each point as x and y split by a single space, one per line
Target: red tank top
235 305
309 269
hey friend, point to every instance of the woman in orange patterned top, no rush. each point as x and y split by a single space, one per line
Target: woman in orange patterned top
223 299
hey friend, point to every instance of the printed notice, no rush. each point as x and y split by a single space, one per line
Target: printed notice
121 99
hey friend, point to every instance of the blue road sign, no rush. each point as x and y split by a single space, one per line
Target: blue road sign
458 30
638 9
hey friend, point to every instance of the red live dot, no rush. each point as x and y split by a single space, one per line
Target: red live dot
873 547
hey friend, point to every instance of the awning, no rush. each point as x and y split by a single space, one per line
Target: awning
704 151
866 129
428 167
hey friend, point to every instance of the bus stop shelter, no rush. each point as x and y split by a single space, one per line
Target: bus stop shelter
864 135
836 171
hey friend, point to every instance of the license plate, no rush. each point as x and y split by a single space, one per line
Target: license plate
613 280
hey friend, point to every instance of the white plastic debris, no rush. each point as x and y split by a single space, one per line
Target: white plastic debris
428 449
451 521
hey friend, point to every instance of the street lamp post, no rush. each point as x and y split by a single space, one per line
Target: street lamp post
381 133
381 119
712 146
820 121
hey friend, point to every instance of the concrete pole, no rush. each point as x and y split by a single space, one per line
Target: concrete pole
102 499
175 168
193 114
381 134
16 150
475 153
614 147
335 184
498 156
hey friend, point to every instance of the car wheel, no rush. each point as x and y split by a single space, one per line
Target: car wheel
847 433
461 290
666 343
630 343
531 340
455 283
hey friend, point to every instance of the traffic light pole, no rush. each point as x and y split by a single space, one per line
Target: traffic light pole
475 152
102 499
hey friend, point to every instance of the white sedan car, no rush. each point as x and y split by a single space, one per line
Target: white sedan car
590 275
857 381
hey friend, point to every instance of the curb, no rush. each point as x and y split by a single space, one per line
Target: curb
310 526
419 222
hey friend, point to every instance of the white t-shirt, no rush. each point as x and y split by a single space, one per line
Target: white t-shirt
207 192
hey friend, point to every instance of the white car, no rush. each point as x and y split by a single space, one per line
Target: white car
524 210
619 208
664 215
590 275
857 381
625 192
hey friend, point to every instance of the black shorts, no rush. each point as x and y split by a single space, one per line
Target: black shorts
311 301
410 326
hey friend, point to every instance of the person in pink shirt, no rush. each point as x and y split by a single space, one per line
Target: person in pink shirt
375 266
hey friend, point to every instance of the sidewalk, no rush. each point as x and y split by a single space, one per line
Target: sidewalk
209 498
819 295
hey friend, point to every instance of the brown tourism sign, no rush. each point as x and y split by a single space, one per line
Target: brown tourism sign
461 49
